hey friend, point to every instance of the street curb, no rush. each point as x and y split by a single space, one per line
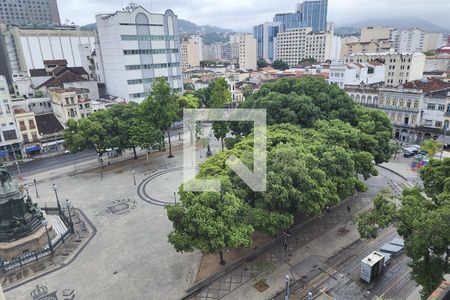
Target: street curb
396 173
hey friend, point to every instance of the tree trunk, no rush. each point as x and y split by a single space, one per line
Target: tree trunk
170 144
134 152
222 261
221 141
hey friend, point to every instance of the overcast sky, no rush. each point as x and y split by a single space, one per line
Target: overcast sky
241 15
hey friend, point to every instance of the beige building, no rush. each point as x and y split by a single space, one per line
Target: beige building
191 48
375 33
71 103
26 122
399 67
247 52
300 43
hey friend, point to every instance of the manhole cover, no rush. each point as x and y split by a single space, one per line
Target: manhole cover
261 286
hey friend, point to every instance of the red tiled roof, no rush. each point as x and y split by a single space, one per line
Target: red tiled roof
427 85
58 81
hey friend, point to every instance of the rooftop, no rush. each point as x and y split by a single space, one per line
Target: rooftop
61 90
48 124
60 79
427 85
43 72
59 62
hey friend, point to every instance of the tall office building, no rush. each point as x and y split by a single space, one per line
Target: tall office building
266 39
247 52
310 13
301 43
137 47
191 48
20 12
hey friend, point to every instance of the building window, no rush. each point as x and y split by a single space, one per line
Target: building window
441 107
408 104
9 135
413 120
402 103
428 122
438 124
416 104
431 106
394 102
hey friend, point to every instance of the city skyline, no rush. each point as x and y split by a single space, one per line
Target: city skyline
218 13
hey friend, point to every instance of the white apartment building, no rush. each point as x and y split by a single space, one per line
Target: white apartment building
416 40
191 49
300 43
399 67
247 52
356 73
27 48
10 139
137 47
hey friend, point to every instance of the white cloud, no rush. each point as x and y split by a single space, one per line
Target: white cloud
243 14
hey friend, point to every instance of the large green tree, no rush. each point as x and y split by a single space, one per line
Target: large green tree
209 222
124 116
161 108
261 62
422 219
93 132
220 98
303 174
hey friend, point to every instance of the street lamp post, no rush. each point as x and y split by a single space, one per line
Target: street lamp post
50 246
134 177
175 197
70 215
55 188
18 168
287 291
35 186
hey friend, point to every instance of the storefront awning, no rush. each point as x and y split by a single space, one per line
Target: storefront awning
32 148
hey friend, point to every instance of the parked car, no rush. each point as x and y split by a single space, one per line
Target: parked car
408 152
67 151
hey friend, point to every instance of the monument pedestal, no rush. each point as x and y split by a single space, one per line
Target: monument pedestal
34 242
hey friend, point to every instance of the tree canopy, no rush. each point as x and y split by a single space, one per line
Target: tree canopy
318 144
261 62
280 65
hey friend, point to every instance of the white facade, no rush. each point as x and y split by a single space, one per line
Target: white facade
399 67
355 74
136 48
336 46
300 43
371 33
10 138
416 40
28 48
247 52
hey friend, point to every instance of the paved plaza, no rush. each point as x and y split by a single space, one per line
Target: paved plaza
130 257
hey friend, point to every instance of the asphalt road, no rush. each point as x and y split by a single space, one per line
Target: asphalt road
46 164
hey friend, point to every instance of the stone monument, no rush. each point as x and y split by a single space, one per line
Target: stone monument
21 229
